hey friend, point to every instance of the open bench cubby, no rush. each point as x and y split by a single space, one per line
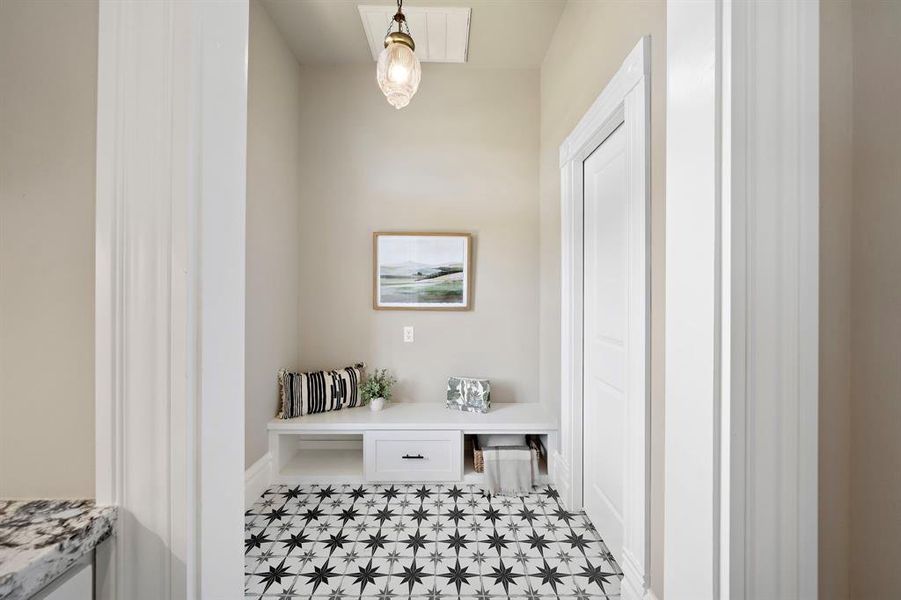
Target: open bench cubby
312 458
469 471
404 442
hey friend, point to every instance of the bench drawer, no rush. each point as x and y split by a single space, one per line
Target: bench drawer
413 455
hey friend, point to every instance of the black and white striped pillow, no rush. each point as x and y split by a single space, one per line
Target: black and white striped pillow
319 391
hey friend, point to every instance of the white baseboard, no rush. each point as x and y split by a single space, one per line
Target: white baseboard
257 479
634 585
560 470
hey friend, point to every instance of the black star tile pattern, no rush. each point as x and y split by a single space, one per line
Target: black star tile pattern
422 542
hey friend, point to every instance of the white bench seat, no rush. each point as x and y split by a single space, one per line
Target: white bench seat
516 418
339 446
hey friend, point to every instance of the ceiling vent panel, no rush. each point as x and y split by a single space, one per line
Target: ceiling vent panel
441 34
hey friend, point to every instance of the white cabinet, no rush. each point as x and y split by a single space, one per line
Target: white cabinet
75 584
357 445
426 455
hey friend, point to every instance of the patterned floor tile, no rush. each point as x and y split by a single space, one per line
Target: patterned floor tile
421 542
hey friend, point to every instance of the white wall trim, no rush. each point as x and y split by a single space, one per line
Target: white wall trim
257 479
691 563
771 193
134 308
561 477
171 127
742 299
625 100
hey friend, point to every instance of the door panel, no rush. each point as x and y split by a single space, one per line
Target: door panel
605 323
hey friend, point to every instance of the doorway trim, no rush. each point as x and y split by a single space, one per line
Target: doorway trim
625 100
742 300
169 297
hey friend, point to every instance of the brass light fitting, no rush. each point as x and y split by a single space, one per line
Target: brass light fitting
399 37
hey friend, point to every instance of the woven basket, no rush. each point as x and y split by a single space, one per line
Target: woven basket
478 461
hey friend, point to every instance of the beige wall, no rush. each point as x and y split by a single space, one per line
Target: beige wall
835 297
48 105
461 157
860 295
876 303
274 105
590 43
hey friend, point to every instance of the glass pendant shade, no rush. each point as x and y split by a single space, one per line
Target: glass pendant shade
398 73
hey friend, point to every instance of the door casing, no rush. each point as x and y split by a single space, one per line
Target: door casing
624 101
169 308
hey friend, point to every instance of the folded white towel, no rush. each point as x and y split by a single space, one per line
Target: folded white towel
508 470
496 440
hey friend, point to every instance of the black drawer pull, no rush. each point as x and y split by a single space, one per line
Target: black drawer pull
408 457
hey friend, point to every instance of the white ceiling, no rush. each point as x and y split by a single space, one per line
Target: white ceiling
503 33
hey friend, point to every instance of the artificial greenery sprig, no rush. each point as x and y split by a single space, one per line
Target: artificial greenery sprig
377 385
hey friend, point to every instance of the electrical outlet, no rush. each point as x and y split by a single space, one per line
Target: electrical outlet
408 334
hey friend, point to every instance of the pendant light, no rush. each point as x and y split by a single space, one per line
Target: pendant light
398 71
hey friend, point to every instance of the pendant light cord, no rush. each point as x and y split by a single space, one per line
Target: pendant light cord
399 19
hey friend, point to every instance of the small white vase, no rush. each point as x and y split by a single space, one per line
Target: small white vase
376 404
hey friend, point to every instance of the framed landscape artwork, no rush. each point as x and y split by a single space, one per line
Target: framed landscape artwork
422 271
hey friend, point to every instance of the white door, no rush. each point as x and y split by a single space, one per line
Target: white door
605 323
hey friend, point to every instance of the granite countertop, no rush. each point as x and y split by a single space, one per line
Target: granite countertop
41 539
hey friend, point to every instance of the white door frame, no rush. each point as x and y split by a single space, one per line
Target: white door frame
742 235
624 101
171 148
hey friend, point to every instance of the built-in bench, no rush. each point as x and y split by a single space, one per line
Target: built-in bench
404 442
